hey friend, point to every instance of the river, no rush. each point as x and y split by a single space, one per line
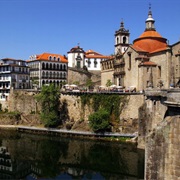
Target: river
27 156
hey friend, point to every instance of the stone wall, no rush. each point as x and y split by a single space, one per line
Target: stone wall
159 131
78 75
128 120
23 101
130 113
162 151
107 75
151 113
72 112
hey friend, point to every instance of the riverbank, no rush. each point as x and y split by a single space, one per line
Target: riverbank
72 133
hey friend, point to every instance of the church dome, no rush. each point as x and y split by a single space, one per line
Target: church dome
150 40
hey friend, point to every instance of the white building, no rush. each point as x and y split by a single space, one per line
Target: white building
13 73
78 58
93 60
48 68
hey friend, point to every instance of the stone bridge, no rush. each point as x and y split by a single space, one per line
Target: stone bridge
170 97
160 128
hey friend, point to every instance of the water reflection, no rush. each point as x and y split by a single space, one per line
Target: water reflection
24 156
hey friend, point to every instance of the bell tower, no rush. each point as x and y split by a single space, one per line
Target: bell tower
121 39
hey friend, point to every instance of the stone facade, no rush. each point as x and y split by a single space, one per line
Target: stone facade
78 76
162 151
24 102
147 63
107 71
159 129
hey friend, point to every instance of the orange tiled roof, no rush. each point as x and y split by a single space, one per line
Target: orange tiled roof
150 41
150 34
93 54
138 49
46 56
160 49
147 63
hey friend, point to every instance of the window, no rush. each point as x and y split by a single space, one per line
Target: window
43 66
54 58
50 58
117 40
78 64
159 71
129 54
47 66
89 63
64 67
124 40
50 66
95 63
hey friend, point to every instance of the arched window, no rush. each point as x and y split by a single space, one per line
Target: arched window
57 66
43 74
61 67
50 58
50 66
47 66
57 75
58 59
54 66
50 75
124 40
64 67
43 66
117 40
54 58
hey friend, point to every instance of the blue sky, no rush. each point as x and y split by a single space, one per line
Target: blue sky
30 27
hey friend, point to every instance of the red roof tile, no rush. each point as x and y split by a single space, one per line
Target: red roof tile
150 41
46 57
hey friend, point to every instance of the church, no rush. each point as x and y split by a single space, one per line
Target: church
150 62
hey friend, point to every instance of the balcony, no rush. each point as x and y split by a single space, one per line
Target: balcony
119 73
4 80
4 88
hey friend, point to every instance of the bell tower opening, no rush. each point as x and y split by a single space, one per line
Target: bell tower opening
121 39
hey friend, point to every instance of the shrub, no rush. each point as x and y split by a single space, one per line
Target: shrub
99 121
49 99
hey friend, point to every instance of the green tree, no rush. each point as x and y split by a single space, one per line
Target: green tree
108 83
49 99
76 83
99 121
